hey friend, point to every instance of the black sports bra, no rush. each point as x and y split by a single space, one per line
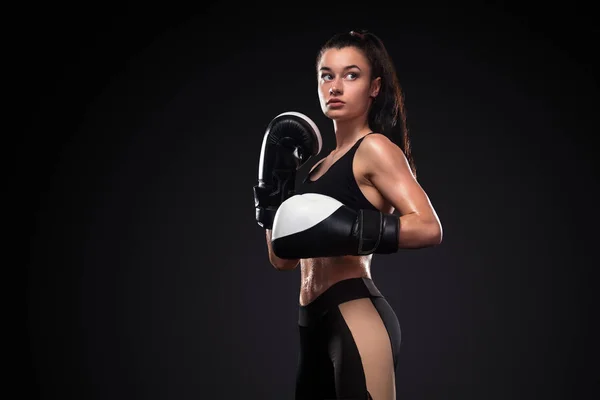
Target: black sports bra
338 182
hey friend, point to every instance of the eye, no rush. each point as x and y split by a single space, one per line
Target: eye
326 77
352 75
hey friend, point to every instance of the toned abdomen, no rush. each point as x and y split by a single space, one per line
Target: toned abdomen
318 274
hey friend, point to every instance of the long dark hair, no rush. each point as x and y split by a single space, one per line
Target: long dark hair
387 112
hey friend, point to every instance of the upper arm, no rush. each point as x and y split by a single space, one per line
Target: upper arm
388 170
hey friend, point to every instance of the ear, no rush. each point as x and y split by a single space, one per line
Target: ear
375 86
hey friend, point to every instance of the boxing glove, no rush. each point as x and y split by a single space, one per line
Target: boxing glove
314 225
290 140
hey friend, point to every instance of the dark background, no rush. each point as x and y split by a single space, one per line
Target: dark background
147 276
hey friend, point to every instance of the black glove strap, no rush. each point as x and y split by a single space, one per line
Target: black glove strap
267 199
379 232
265 217
370 223
390 232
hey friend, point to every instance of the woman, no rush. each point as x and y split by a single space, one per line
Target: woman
350 336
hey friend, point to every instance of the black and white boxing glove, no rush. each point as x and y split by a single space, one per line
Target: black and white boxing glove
290 140
313 225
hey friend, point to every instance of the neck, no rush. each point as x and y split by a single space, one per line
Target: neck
348 131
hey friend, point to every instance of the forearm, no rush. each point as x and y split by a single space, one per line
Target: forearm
279 263
417 231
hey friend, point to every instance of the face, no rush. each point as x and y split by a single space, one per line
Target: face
346 89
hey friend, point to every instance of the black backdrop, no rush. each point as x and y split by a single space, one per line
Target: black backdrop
148 277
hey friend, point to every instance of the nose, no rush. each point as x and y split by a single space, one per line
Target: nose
335 89
336 86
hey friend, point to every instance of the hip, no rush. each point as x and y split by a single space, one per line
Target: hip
340 292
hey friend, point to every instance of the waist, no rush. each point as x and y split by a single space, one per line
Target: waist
340 292
318 274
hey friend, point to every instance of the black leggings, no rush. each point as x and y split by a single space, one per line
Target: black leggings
349 344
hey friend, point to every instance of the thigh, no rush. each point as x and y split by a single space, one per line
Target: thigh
314 375
362 353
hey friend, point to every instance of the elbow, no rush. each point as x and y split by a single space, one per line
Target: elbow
431 234
435 235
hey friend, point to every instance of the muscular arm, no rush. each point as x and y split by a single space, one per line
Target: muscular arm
279 263
389 172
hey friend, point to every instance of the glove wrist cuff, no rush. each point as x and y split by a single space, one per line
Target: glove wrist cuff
390 233
378 232
265 217
369 237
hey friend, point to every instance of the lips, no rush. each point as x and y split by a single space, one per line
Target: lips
335 101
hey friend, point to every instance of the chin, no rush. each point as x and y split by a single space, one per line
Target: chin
337 115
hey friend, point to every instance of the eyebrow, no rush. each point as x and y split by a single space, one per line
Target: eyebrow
345 68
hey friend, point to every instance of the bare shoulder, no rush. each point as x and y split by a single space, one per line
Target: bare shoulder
378 152
378 144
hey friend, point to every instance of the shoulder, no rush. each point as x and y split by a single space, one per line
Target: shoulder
379 153
377 147
376 141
